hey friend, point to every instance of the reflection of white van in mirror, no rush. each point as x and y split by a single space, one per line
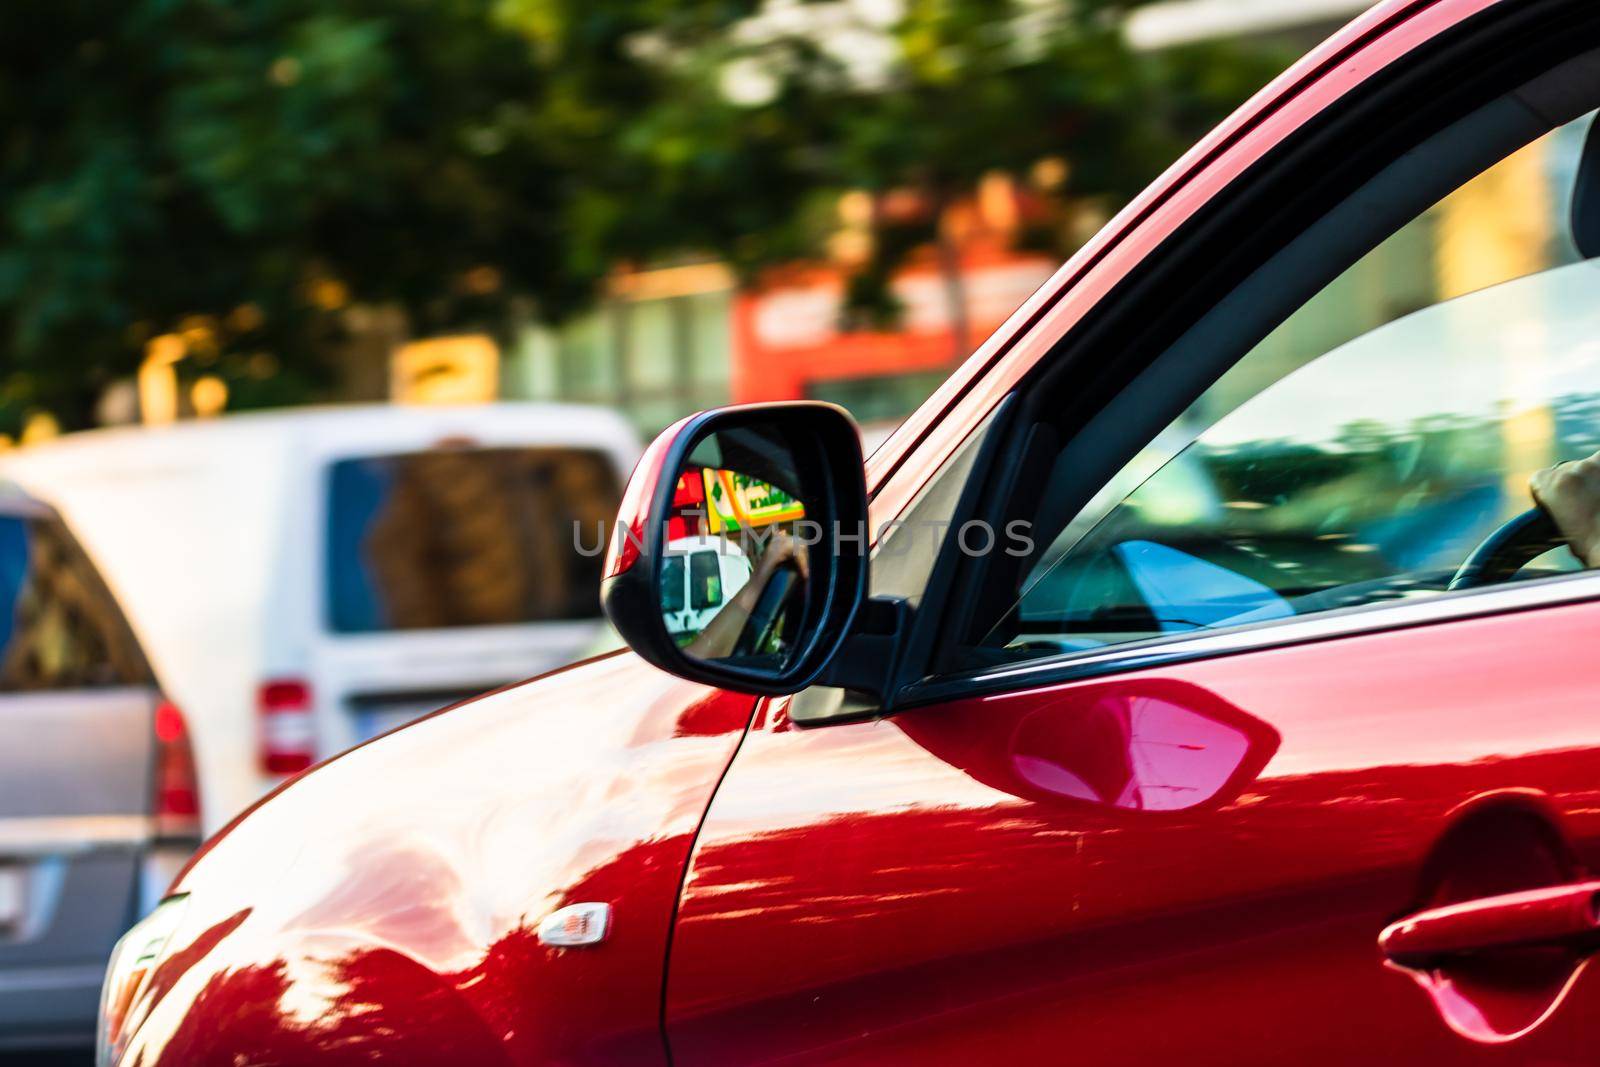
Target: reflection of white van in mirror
307 579
698 576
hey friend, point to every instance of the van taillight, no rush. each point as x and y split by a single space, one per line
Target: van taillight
288 735
177 799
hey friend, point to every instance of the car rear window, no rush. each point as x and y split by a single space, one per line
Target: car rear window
60 628
465 537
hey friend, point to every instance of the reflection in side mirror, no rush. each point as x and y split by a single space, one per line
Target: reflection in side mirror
736 565
697 580
739 557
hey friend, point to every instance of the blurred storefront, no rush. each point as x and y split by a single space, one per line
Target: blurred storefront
671 340
794 337
657 347
790 344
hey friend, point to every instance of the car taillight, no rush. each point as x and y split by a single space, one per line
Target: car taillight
177 799
288 734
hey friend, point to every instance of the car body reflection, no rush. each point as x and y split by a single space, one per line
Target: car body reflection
1140 751
1150 746
408 936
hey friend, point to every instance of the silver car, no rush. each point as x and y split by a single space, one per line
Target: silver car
98 799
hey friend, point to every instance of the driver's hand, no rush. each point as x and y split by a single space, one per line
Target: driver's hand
786 548
1570 493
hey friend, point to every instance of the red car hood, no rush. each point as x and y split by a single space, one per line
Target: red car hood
385 905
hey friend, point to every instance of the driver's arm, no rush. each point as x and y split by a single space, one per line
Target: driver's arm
1570 493
721 635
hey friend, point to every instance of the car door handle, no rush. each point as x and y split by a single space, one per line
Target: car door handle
1564 915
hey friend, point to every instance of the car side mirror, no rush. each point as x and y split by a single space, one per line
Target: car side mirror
739 558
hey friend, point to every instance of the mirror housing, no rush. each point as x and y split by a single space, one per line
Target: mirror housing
801 465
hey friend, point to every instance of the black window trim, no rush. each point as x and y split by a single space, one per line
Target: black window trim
1361 619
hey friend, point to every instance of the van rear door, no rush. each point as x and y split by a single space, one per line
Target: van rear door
454 570
77 747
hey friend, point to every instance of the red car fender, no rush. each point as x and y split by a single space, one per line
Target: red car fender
387 903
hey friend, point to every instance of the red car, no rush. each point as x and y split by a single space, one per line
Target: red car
1188 681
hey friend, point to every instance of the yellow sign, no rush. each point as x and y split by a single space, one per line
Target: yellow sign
446 370
737 501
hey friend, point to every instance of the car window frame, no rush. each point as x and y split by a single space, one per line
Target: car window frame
1528 99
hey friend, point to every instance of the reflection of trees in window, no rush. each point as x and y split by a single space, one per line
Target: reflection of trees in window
1395 495
1367 467
66 630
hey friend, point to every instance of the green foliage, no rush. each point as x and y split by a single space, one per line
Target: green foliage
166 159
161 159
951 90
967 87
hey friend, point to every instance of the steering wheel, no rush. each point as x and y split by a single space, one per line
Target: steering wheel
765 614
1514 545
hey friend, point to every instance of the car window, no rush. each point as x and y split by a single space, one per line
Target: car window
672 584
464 537
59 626
705 581
1361 451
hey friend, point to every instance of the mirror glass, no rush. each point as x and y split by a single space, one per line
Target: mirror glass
735 579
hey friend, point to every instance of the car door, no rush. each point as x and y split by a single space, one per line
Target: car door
1219 768
950 886
77 748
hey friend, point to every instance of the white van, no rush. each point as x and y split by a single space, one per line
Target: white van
698 576
305 580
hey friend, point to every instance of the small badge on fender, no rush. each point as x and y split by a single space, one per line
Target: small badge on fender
576 924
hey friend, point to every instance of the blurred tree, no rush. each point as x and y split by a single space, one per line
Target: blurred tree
242 171
245 172
929 97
